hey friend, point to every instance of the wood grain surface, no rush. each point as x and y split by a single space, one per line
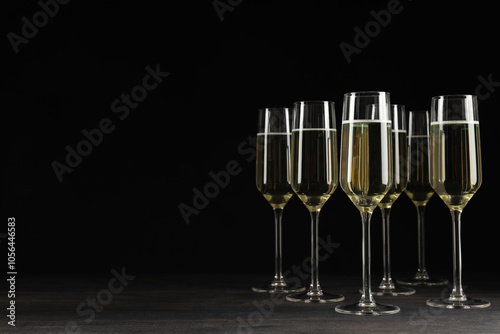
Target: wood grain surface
216 303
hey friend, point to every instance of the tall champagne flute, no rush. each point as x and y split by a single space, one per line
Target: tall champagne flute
314 177
273 180
455 175
419 190
366 176
400 181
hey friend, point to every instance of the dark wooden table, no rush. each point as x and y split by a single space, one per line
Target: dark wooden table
220 303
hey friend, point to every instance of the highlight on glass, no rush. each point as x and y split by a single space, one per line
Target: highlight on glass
314 177
366 175
455 175
273 181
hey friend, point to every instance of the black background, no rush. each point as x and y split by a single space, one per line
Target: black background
120 205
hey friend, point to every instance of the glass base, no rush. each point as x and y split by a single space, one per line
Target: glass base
396 291
278 288
468 303
308 297
367 309
423 281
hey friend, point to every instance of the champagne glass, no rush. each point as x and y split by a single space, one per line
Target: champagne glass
455 175
366 176
400 181
419 190
273 180
314 177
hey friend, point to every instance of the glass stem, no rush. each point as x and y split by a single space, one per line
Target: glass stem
457 293
315 288
386 280
366 297
278 260
422 272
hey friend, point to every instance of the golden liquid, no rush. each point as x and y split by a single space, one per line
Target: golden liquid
366 162
400 168
273 168
455 161
419 189
314 166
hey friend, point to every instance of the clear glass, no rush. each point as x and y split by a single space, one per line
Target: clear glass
273 180
366 175
455 175
314 177
400 181
419 190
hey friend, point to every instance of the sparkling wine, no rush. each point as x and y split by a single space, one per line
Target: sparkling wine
419 188
455 161
273 168
314 165
400 168
366 170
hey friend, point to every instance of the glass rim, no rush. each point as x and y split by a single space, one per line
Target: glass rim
456 107
453 96
270 108
313 101
366 93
